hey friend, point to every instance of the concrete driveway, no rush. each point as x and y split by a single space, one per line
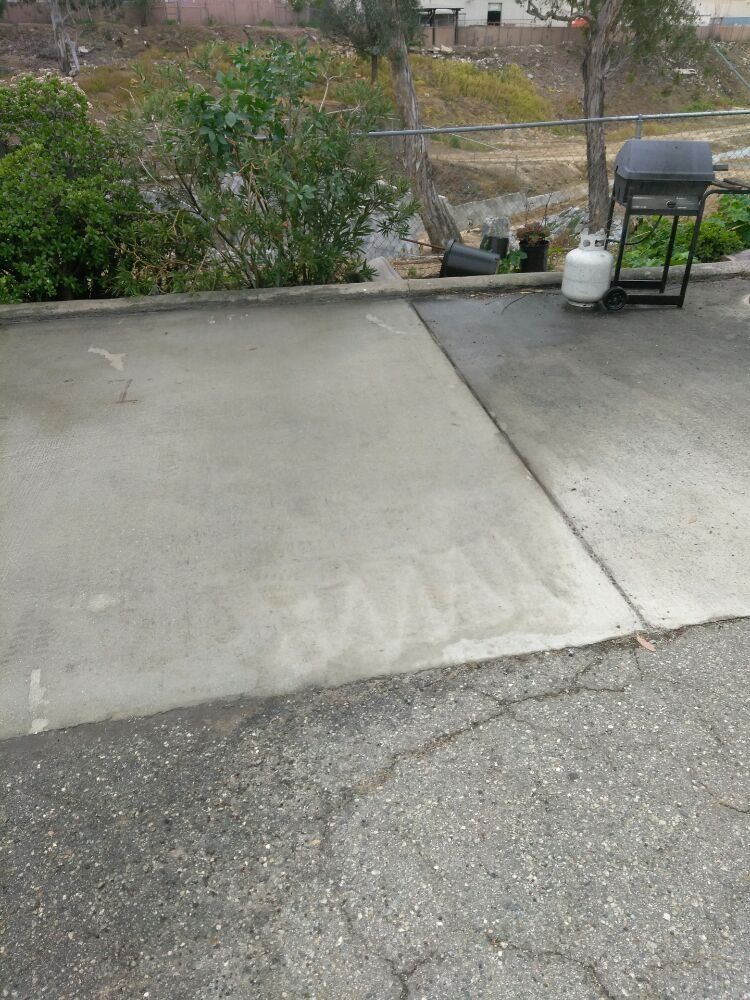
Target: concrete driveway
200 504
636 424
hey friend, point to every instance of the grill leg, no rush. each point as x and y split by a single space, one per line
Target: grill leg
610 217
691 254
668 258
623 241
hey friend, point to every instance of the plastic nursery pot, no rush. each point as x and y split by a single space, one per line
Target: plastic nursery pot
496 244
460 261
536 256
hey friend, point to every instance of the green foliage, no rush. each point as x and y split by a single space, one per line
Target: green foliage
54 231
287 190
164 252
49 111
69 218
511 93
370 26
511 262
371 101
734 212
651 31
716 240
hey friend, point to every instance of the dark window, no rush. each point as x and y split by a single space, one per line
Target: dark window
494 13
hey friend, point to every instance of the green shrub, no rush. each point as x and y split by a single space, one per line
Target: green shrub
287 190
72 224
54 229
60 194
716 240
734 212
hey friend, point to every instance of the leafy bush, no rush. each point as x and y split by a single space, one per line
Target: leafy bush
54 231
716 240
70 222
734 212
287 190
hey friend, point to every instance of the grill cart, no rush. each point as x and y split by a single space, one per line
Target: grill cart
656 177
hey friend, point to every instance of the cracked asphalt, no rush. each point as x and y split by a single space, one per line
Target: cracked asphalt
567 826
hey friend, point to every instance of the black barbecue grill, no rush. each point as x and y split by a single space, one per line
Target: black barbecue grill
664 178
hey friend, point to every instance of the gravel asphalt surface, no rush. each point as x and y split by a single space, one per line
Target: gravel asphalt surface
572 825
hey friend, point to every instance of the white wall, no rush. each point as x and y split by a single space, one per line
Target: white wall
724 8
475 11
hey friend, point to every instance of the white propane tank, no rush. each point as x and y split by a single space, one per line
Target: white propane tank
588 270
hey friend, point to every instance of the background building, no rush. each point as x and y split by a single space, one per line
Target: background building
497 12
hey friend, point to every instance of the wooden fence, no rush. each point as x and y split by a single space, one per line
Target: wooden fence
280 14
275 12
487 36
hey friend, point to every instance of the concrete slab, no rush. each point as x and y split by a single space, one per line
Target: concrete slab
200 504
637 423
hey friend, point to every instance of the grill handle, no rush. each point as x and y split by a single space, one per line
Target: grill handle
724 167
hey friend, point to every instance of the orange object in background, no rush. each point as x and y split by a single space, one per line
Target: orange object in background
579 22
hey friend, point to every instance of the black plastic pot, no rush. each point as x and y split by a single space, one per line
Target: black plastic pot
460 261
536 257
496 244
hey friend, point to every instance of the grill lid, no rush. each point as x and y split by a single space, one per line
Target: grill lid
660 160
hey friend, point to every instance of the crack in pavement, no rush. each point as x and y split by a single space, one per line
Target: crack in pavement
492 829
404 974
365 786
587 965
401 974
742 810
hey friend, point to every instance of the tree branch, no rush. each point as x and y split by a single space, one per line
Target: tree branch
553 15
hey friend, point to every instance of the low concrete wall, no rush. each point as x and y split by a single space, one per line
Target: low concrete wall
411 288
473 213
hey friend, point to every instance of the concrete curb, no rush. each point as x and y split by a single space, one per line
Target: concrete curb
312 294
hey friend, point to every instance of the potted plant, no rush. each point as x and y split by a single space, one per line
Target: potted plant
533 239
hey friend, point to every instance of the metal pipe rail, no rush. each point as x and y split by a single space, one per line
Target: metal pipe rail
507 127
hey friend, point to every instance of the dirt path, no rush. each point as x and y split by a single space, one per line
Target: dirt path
541 146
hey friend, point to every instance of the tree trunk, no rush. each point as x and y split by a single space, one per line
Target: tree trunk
595 68
67 52
374 65
436 216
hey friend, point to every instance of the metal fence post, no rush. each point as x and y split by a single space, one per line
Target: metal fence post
639 127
